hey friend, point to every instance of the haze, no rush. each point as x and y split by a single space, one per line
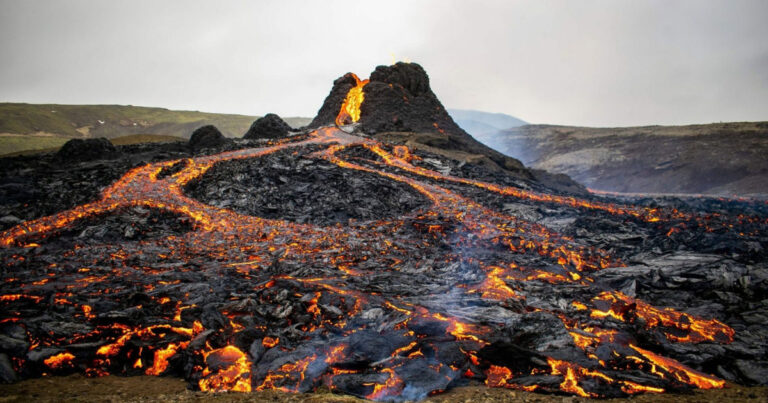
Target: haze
592 63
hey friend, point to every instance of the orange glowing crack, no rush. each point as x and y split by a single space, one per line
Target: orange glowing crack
681 372
391 387
285 374
697 329
160 362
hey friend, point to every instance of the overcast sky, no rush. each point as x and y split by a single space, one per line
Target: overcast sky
593 63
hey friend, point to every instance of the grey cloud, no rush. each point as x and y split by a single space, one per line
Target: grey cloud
598 63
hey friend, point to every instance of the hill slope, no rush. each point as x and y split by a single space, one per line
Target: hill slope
68 121
484 126
720 158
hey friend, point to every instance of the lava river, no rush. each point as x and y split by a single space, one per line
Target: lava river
390 309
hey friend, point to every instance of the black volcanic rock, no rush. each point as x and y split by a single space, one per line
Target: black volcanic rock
78 150
206 137
410 76
281 186
33 186
398 98
270 126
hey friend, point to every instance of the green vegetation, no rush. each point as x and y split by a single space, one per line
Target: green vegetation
16 144
54 124
117 120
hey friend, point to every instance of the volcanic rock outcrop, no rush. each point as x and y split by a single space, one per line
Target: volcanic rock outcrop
270 126
398 98
206 137
79 150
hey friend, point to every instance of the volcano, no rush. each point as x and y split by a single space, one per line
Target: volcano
380 252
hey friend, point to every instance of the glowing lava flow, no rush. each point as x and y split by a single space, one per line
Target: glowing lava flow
350 109
680 371
246 245
233 371
624 308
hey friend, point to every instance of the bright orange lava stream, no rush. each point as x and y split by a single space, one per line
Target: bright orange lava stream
217 230
350 109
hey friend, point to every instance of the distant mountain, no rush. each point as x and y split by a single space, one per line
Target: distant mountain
479 121
484 126
718 159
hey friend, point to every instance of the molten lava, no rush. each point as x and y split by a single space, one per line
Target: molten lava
350 109
697 329
59 360
232 371
680 371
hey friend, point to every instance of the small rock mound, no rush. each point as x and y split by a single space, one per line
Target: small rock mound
206 137
270 126
87 150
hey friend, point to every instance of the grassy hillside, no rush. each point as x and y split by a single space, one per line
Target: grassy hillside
49 125
116 120
718 158
16 144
